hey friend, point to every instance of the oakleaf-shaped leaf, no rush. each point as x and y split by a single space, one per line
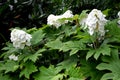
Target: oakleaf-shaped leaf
75 73
9 49
37 36
89 54
88 69
66 64
50 73
57 44
32 57
68 30
9 66
103 49
29 68
111 63
73 46
107 76
40 51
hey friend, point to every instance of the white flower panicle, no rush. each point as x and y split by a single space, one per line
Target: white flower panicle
118 18
67 14
55 20
119 14
20 38
13 57
96 22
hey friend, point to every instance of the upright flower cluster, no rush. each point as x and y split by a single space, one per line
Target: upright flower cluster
96 22
55 19
20 38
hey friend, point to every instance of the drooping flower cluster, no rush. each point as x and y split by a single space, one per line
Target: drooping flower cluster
20 38
55 19
13 57
95 22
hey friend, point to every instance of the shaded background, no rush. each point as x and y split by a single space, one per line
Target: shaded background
33 13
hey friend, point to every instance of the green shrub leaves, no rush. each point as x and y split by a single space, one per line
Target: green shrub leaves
65 53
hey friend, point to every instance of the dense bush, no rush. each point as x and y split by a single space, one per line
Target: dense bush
74 50
70 51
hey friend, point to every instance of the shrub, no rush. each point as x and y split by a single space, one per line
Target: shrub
68 52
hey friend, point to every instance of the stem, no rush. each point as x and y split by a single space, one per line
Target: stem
94 44
97 42
77 22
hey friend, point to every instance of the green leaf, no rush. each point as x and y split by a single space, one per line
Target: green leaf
68 30
83 15
88 69
9 66
5 77
105 12
75 17
66 64
89 54
111 63
59 77
73 46
103 49
32 57
28 69
40 51
75 73
57 44
107 76
50 73
113 32
37 36
9 49
74 51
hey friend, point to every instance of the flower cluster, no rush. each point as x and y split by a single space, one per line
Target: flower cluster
119 14
95 22
13 57
20 38
119 17
55 19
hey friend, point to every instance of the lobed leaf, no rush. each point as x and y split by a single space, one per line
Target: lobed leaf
50 73
28 69
9 66
37 36
111 64
103 49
